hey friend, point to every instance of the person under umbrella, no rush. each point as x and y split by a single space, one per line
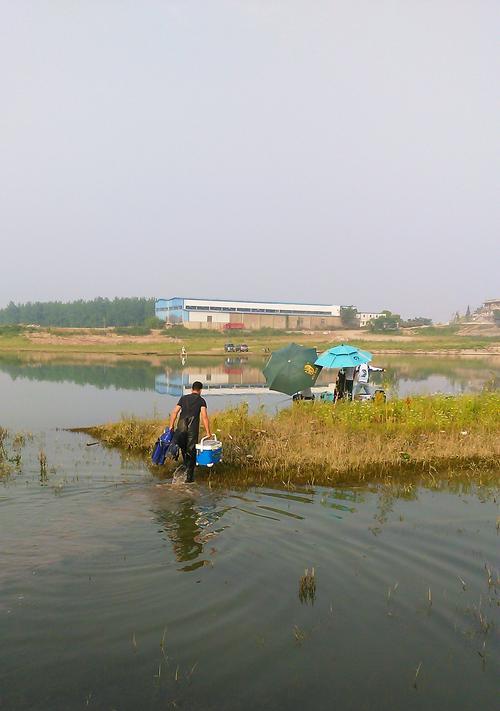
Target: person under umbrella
362 380
347 358
340 385
349 382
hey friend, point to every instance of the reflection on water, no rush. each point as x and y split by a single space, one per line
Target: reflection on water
188 524
132 375
235 376
181 526
242 374
118 592
341 500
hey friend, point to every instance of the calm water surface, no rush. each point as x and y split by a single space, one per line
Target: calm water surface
119 591
69 393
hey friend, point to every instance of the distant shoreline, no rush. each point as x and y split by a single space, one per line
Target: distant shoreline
158 344
147 355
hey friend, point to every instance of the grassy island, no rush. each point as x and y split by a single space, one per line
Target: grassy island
322 443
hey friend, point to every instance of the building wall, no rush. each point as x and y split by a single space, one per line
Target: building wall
207 317
490 306
365 317
253 322
170 310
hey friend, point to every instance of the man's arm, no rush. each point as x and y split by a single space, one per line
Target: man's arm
204 419
173 416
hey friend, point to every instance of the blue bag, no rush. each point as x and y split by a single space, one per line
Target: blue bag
173 450
161 446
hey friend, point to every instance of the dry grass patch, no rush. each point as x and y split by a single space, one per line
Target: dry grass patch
323 443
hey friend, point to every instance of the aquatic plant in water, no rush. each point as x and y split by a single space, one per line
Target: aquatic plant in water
8 461
307 587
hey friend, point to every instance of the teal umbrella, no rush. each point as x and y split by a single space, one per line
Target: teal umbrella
292 369
343 356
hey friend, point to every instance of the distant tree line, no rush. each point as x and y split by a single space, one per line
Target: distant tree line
96 313
387 321
417 321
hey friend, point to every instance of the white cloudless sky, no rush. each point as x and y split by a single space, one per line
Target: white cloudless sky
340 151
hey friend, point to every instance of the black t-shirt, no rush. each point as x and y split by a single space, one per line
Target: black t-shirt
190 408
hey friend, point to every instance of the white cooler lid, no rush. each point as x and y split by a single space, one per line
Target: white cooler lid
210 445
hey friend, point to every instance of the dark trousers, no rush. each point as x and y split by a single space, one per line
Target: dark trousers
186 436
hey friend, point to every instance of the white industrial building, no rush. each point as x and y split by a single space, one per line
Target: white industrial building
253 315
365 317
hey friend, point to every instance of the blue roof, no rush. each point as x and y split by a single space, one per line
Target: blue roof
247 301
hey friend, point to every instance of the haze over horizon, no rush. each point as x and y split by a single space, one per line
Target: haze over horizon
331 152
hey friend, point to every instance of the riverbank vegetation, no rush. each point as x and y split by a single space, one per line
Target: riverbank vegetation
320 443
146 341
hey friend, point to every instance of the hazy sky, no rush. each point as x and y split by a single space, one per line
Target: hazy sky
340 151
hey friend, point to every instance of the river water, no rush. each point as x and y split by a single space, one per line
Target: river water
119 591
65 392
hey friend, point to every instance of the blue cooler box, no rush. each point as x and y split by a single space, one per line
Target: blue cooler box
327 396
208 452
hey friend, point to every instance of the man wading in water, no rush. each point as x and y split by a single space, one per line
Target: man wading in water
188 428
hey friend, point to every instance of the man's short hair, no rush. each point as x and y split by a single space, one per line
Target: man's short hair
197 386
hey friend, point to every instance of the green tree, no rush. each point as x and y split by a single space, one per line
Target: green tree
387 322
95 313
348 316
417 321
11 314
153 322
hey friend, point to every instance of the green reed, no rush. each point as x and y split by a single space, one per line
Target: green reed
315 442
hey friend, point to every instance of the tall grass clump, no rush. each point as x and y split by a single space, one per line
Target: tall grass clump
9 460
132 330
11 330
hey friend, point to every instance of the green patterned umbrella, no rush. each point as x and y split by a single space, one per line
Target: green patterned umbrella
292 369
